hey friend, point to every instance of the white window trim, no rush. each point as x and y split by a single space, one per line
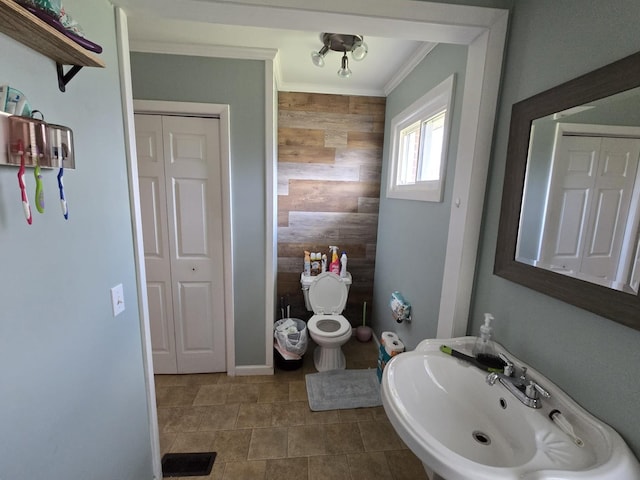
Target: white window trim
436 99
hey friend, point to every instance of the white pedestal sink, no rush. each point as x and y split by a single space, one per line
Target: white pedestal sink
462 428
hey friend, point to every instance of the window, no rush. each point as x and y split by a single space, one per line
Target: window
420 135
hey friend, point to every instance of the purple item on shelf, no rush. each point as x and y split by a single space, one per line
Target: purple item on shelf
83 42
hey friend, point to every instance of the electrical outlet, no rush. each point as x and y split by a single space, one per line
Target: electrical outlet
117 299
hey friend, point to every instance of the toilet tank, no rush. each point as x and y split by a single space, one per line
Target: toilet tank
307 280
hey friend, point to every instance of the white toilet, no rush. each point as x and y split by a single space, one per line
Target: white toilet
326 295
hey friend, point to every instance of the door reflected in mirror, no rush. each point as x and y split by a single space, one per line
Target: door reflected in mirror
581 202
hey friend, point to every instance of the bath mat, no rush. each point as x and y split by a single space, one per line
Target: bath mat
187 464
339 389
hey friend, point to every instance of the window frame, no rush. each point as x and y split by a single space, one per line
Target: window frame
426 107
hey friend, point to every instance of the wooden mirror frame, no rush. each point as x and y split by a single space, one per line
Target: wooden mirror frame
614 78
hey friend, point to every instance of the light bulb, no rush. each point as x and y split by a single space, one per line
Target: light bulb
318 57
344 71
359 52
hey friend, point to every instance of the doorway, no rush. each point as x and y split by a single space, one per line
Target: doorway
484 30
180 183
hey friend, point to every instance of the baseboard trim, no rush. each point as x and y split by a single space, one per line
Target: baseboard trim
375 339
244 370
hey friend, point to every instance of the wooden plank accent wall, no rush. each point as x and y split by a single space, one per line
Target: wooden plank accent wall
329 164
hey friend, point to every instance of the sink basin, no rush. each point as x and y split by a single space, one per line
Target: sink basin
465 429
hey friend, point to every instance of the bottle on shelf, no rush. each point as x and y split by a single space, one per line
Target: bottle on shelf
343 265
334 266
307 263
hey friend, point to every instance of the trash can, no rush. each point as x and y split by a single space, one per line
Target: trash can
291 343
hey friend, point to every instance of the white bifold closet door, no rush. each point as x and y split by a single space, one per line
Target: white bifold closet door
181 203
589 200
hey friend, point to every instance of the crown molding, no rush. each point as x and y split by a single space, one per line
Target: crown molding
200 50
413 61
321 88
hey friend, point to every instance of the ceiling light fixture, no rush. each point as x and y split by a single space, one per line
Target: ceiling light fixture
339 42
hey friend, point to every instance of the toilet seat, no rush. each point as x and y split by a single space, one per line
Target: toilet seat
329 326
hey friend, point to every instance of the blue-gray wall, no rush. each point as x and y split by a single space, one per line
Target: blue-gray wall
240 84
593 359
412 235
72 391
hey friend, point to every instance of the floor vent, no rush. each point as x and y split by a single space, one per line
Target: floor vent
187 464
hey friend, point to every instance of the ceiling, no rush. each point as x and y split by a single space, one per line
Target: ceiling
389 60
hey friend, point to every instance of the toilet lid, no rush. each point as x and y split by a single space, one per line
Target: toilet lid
328 294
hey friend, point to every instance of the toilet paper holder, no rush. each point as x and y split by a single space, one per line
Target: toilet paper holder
400 308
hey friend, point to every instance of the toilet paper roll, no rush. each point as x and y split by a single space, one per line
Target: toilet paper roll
394 347
388 338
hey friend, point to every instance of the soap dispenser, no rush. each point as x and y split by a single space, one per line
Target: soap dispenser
484 350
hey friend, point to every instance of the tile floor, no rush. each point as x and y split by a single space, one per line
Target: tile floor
262 427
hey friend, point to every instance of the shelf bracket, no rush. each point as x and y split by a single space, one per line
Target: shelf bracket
64 78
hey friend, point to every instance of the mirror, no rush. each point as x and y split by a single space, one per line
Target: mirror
580 205
570 215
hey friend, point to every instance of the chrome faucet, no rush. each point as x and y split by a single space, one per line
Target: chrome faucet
524 389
